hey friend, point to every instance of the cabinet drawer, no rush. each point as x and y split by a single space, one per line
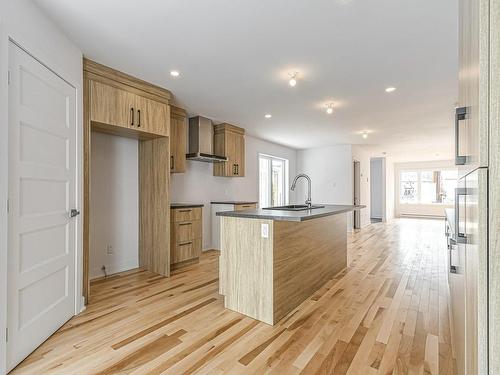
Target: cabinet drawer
249 206
187 230
186 250
186 214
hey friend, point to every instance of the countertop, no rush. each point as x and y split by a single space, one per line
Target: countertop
234 202
185 205
315 213
450 217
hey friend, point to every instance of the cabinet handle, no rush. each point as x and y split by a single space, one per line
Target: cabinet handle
182 224
138 118
185 210
460 114
171 161
186 243
132 116
453 267
460 237
237 169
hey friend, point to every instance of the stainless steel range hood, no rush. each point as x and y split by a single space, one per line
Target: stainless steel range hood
201 141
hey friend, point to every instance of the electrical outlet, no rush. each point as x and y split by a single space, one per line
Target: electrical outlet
264 230
109 249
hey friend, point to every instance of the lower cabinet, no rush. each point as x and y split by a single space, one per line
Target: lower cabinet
185 235
225 206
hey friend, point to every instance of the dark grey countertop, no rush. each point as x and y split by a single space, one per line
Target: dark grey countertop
234 202
450 217
315 213
185 205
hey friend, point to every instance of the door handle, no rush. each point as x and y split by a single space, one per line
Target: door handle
138 118
132 116
74 212
460 114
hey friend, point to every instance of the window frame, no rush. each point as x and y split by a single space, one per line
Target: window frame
419 185
285 181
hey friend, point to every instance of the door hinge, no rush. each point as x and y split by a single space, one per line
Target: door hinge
8 205
6 334
8 77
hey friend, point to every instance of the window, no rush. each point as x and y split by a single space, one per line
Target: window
428 186
273 181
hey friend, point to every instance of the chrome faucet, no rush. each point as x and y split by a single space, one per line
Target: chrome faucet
294 183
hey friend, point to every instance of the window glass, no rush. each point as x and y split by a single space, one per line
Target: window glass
408 187
428 186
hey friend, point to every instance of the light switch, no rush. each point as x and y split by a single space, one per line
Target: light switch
264 230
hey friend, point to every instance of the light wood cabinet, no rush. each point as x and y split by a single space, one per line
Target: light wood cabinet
178 127
229 141
110 105
122 105
185 236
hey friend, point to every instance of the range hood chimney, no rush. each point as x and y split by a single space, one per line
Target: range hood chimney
201 141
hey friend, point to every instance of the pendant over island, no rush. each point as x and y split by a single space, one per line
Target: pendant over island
272 260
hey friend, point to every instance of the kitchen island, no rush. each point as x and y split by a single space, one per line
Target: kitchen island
272 260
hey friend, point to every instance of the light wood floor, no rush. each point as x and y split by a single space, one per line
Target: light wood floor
386 314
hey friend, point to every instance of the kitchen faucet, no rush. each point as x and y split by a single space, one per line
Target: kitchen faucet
294 183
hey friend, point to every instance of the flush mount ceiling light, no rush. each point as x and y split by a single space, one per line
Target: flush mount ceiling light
293 79
268 115
365 135
329 108
175 73
390 89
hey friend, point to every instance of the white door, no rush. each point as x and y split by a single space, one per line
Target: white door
42 174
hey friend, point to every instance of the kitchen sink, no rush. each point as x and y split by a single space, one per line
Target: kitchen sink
293 207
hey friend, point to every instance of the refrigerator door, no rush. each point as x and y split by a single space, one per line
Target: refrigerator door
476 280
456 280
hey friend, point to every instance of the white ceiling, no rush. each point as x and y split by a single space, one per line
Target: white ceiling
234 56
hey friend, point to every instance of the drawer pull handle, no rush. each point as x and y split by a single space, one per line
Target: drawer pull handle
185 210
185 243
185 224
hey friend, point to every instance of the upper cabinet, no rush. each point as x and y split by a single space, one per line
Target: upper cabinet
178 129
471 117
136 108
229 141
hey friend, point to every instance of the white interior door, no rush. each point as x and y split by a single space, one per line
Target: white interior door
42 174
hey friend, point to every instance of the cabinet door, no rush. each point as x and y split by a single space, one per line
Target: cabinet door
240 152
152 116
177 144
232 154
111 106
472 130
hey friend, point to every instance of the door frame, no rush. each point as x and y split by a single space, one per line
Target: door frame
53 65
356 184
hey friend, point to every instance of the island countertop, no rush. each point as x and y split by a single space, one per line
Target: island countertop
282 215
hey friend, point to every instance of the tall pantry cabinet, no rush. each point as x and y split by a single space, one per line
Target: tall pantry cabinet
475 282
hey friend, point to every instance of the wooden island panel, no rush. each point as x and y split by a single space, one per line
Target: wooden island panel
306 255
266 278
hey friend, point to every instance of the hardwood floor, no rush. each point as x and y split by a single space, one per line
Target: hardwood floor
387 313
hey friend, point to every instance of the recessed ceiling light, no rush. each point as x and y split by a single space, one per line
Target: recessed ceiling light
329 108
365 135
390 89
175 73
293 79
268 115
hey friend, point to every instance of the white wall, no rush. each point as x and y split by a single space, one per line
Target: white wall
419 209
363 156
22 21
389 189
377 198
198 185
114 204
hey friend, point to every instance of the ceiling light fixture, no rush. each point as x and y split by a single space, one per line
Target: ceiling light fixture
293 79
390 89
268 115
174 73
365 135
329 108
